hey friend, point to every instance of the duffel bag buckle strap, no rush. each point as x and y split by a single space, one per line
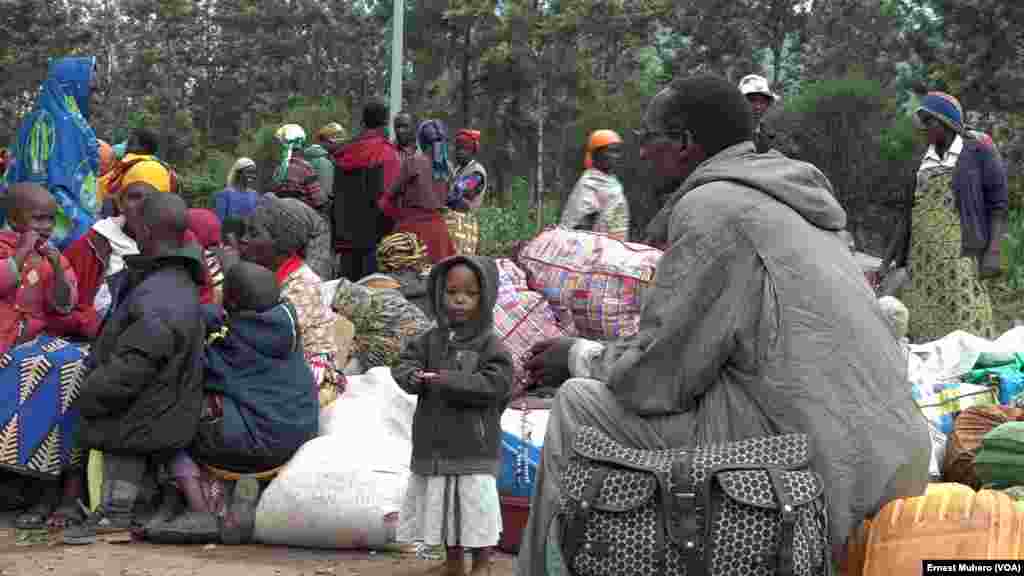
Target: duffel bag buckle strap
787 517
683 509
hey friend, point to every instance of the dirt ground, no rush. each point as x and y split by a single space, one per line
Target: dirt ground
118 556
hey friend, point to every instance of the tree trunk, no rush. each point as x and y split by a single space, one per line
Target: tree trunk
538 197
467 82
167 106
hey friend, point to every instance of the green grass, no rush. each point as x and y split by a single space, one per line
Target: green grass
1007 292
502 228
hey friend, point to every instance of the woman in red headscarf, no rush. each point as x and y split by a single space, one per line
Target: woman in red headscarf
469 184
205 224
465 192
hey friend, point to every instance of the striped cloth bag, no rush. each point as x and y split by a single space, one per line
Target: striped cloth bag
597 280
464 230
521 318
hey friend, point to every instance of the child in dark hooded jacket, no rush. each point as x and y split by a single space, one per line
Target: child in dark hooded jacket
255 363
463 376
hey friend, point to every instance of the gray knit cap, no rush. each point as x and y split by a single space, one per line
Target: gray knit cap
286 222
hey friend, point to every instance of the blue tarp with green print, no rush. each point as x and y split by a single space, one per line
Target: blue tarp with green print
57 148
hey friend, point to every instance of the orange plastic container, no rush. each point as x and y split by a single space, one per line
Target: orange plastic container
515 511
950 522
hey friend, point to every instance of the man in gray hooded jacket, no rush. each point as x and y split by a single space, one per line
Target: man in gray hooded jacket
758 322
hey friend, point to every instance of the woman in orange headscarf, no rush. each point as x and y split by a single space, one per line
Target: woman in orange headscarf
597 202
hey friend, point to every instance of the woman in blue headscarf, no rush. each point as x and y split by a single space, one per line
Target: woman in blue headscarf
57 148
416 200
954 226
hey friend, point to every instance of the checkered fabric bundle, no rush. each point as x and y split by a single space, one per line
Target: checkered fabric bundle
521 317
597 280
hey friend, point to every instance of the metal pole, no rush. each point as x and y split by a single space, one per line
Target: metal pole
397 63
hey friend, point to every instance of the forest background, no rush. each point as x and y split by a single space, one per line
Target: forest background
215 77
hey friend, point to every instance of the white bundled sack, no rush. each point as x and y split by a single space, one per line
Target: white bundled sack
338 492
598 281
344 490
372 403
957 353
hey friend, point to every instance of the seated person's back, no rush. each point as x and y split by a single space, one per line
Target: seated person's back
255 361
145 394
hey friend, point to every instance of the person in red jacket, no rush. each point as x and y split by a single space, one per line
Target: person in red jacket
367 168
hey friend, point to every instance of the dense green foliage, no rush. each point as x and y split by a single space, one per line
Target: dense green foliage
215 77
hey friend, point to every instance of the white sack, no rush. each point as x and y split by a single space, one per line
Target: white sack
344 489
338 492
957 353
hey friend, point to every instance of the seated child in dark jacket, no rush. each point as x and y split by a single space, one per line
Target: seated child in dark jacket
260 398
257 376
463 376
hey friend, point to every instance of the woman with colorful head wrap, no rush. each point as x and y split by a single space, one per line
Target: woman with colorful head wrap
331 136
206 226
275 237
319 155
98 257
294 177
954 228
240 197
417 198
139 163
57 148
597 202
469 183
465 193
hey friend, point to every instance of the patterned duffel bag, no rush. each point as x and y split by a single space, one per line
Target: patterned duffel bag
747 507
596 281
464 230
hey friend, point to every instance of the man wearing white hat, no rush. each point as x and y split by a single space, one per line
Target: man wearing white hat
760 96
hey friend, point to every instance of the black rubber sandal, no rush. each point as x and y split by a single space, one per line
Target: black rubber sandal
35 518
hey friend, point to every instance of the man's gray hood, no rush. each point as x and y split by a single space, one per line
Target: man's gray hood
799 185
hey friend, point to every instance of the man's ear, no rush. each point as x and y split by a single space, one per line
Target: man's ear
687 139
692 152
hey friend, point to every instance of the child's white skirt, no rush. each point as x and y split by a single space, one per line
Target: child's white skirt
451 511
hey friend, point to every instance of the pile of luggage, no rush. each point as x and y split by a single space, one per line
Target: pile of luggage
971 390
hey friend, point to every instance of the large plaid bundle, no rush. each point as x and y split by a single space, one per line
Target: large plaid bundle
510 276
521 317
597 280
464 230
